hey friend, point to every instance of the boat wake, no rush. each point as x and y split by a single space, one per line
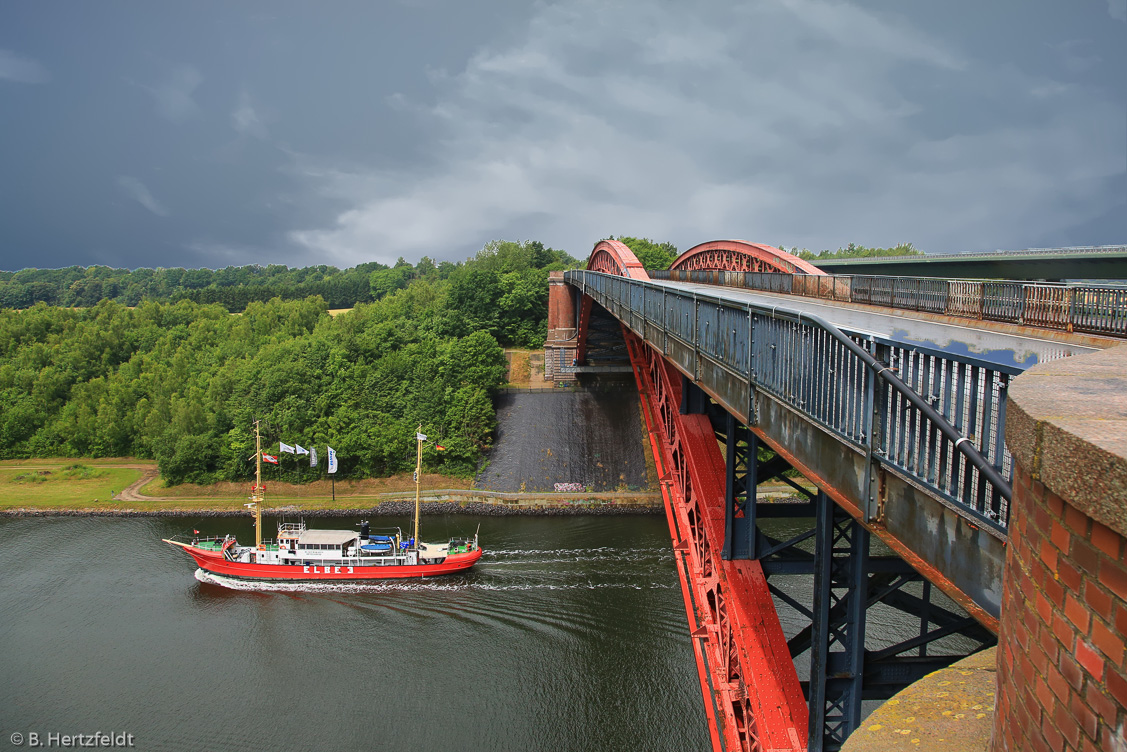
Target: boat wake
582 552
444 584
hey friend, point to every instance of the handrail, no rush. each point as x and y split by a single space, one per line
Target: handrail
1085 308
962 443
928 474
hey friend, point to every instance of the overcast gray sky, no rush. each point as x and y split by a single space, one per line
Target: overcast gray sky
216 133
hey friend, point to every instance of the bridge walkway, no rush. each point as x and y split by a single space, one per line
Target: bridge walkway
1003 344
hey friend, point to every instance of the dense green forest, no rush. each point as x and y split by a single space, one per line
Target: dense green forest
235 286
652 255
174 364
181 381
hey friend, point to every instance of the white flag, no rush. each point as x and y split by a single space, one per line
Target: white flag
421 436
332 460
284 448
313 456
299 451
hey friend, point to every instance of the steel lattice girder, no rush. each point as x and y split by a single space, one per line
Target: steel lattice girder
752 694
843 673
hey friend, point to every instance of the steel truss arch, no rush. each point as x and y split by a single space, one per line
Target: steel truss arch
741 256
614 257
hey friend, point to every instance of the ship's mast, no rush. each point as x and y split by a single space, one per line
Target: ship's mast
418 479
259 495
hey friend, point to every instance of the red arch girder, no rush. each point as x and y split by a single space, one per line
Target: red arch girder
613 257
752 696
741 256
608 257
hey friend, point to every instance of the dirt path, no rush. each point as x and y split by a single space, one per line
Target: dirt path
130 493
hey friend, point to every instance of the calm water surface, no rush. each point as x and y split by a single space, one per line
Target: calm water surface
570 634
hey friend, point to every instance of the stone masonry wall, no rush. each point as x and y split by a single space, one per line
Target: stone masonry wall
1062 682
1062 676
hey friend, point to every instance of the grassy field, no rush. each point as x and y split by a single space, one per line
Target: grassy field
88 484
66 483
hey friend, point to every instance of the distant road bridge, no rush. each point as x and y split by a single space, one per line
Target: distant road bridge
1089 262
889 397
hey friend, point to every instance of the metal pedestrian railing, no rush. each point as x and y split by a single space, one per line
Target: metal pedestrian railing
935 418
1090 309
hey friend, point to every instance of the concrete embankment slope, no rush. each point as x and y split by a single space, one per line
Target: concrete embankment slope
591 439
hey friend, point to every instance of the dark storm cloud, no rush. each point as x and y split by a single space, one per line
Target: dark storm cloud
301 134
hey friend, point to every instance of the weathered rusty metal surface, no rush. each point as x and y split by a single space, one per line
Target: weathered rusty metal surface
741 256
965 339
613 257
752 694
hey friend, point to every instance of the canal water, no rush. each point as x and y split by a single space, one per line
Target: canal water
570 634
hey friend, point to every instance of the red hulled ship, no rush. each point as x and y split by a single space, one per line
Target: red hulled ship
301 554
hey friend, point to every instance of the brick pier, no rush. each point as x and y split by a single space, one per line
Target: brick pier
560 347
1062 678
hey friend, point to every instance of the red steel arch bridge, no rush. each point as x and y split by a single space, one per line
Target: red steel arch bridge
888 399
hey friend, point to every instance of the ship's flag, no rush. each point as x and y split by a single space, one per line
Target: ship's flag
440 448
284 448
421 436
332 460
270 458
312 456
300 451
195 532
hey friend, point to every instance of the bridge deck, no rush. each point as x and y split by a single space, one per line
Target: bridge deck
1001 344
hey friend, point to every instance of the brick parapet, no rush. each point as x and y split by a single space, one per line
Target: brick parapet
1066 424
1062 661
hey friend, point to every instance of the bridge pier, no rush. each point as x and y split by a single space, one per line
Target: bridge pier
563 328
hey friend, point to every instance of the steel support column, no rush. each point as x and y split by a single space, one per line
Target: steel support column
838 630
740 487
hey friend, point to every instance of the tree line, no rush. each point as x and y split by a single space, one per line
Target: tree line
181 381
174 364
235 287
855 251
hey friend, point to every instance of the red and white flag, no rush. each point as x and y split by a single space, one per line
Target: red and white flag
270 458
